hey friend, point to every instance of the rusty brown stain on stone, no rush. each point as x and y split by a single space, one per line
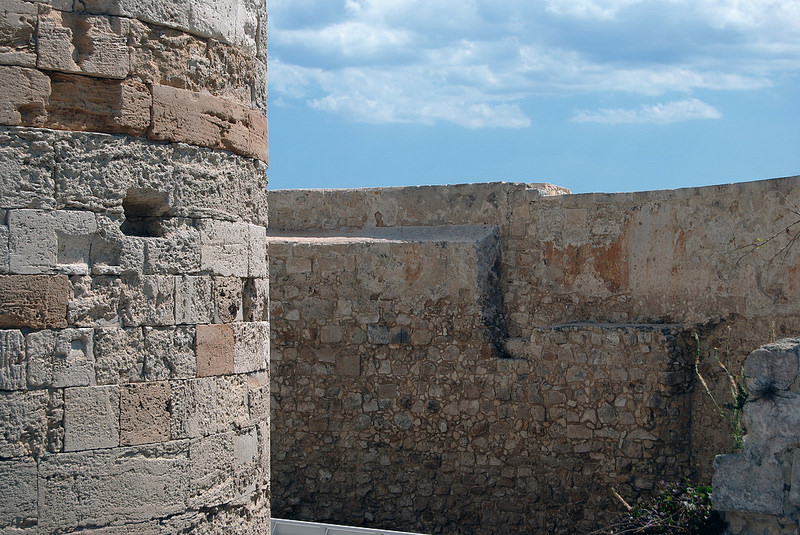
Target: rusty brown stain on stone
608 263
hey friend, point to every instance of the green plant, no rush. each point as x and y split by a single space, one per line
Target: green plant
676 508
731 412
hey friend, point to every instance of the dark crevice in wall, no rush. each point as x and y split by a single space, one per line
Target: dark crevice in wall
493 315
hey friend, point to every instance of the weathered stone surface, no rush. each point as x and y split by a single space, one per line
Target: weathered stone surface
34 301
777 364
93 104
169 353
224 248
198 119
256 300
23 96
24 421
50 242
119 355
208 405
144 413
26 169
122 485
228 299
148 300
215 350
12 360
177 250
19 490
250 346
95 46
95 301
193 299
61 358
17 27
257 255
91 417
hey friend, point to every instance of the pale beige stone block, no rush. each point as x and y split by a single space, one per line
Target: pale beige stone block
224 248
47 242
17 27
215 350
91 417
12 360
18 487
23 419
24 94
61 358
250 346
209 405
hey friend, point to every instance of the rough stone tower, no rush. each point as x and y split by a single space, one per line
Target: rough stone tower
134 333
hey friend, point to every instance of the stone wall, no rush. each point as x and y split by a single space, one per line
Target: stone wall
134 334
759 488
524 376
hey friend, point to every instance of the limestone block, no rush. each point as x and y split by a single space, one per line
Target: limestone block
743 485
24 421
34 301
12 360
119 355
20 499
250 346
17 27
27 162
215 350
95 301
3 243
91 417
95 46
114 253
148 300
201 119
258 387
228 299
61 358
169 353
121 485
47 242
208 405
95 171
144 413
256 300
193 299
257 241
224 248
23 96
177 251
86 103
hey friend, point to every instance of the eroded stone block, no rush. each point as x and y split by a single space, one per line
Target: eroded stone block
24 421
91 417
12 360
47 242
148 300
224 248
34 301
23 96
193 299
95 301
121 485
18 488
27 162
17 27
208 405
144 413
228 299
215 350
169 353
61 358
250 346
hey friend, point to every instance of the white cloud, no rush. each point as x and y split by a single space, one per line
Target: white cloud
668 112
475 62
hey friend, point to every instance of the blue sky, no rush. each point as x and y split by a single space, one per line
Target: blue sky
593 95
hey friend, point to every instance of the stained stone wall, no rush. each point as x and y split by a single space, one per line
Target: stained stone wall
493 357
133 267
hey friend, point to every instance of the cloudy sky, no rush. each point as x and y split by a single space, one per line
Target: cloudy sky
593 95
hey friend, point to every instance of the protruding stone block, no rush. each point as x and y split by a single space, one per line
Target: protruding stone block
144 413
215 350
60 359
91 417
12 360
34 301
